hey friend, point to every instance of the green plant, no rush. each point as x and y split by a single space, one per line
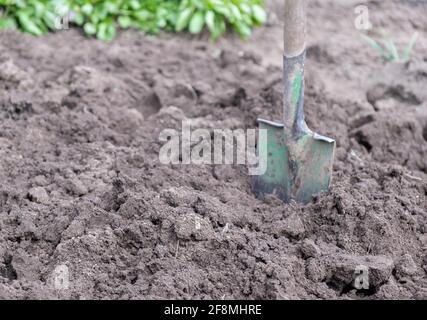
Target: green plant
101 18
388 51
241 15
32 16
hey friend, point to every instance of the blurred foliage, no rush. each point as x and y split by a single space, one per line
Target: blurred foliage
101 18
387 49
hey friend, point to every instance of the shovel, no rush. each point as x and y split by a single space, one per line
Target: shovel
298 161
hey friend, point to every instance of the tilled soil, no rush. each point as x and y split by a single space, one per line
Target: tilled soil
83 191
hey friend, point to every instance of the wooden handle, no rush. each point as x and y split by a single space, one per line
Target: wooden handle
295 27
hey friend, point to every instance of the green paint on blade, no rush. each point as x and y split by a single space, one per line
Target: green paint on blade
296 88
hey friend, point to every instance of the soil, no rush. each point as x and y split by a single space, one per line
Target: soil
83 192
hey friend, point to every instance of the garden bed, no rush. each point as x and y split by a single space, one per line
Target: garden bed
82 188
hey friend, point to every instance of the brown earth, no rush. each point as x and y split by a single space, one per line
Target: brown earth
82 188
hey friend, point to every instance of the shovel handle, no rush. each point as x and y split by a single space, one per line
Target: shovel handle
295 27
293 68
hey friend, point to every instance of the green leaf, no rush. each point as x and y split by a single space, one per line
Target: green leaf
216 3
198 3
259 14
225 11
142 15
135 4
87 9
20 3
79 18
243 29
161 22
245 8
39 9
235 12
220 27
197 22
408 50
102 31
215 23
100 13
247 19
7 23
376 46
89 28
124 22
184 4
391 47
210 20
28 24
111 7
50 20
60 8
106 31
183 19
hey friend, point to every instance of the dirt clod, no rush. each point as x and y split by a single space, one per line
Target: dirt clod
309 249
38 194
343 270
192 226
88 210
405 266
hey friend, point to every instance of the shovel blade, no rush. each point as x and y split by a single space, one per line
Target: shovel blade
297 168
